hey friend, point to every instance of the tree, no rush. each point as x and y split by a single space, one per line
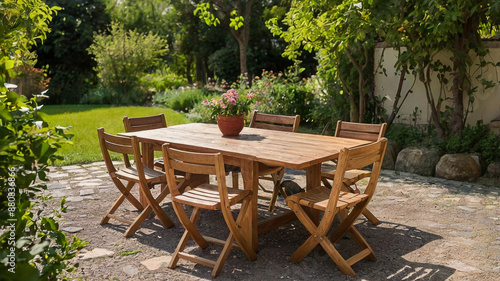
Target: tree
235 17
343 34
452 28
64 53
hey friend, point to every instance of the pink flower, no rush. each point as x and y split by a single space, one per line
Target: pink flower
222 106
250 95
231 101
194 84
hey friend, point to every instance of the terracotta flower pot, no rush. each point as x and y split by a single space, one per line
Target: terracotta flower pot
230 125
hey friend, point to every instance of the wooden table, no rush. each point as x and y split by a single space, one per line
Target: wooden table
273 148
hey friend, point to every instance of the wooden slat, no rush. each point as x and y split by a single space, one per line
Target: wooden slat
220 242
359 256
119 219
196 259
369 132
119 148
207 196
144 123
275 127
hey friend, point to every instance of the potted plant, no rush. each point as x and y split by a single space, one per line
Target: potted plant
229 111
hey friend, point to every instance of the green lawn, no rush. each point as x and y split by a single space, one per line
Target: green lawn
86 119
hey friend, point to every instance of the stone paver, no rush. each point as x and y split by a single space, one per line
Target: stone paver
155 263
95 253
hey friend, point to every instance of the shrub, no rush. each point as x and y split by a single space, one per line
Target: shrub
475 139
162 80
183 99
283 94
123 58
31 245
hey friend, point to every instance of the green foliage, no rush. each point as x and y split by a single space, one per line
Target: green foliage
330 105
32 246
203 12
41 251
64 54
406 135
182 99
475 139
123 57
161 80
342 33
283 93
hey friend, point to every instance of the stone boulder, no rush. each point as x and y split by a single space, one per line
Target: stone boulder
493 170
459 167
418 160
391 153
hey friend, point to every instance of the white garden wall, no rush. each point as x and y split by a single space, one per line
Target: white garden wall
487 102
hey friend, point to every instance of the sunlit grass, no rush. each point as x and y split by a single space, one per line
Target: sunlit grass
86 119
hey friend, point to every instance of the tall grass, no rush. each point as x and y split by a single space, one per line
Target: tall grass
86 119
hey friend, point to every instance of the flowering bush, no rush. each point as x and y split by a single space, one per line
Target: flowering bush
229 104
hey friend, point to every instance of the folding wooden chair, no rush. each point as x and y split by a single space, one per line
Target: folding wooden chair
369 132
206 196
274 174
137 174
335 201
146 123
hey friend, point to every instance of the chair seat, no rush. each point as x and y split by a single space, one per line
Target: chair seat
318 198
207 196
130 173
351 176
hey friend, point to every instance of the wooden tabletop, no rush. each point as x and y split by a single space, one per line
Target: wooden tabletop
274 148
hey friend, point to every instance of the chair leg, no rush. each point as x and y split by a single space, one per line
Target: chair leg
125 195
371 217
336 257
326 183
155 205
223 255
187 234
276 189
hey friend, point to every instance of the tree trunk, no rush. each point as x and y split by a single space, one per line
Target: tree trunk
201 73
425 78
189 62
461 46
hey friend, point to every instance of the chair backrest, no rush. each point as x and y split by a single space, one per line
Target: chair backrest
193 163
360 131
119 144
144 123
357 158
275 122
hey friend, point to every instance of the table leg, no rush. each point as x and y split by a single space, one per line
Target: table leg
313 180
250 175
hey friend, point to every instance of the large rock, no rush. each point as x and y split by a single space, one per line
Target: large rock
418 160
493 170
391 153
459 167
